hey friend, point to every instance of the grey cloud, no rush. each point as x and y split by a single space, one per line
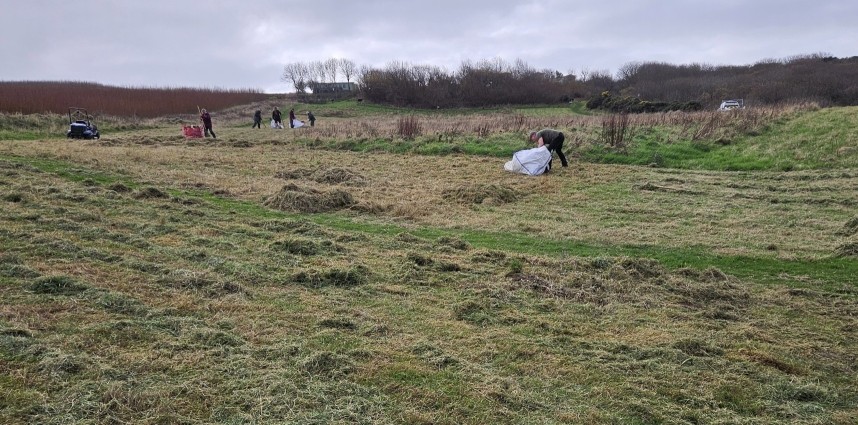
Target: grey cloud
239 44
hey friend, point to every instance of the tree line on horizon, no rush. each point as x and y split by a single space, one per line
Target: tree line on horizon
636 87
817 77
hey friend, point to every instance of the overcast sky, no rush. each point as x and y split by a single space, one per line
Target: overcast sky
244 44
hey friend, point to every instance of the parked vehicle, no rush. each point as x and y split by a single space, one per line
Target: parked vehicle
728 105
81 125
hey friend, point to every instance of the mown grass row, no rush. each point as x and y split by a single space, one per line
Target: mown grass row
830 272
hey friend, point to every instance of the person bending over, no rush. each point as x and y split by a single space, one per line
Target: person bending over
553 140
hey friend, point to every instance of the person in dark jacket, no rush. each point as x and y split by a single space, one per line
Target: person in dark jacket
552 139
312 119
207 123
292 118
278 121
257 119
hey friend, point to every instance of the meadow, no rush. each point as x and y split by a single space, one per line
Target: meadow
381 267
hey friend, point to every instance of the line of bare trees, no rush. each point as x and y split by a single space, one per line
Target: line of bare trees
817 77
473 84
304 75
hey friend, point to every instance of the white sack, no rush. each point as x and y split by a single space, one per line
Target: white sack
296 123
532 162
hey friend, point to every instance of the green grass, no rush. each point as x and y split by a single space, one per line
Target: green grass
816 139
822 139
137 298
683 155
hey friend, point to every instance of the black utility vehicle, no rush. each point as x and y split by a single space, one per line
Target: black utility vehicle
81 125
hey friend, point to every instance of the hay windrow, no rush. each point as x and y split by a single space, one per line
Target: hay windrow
849 228
333 176
491 194
292 197
847 249
296 174
337 175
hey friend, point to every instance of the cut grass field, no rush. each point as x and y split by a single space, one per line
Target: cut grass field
149 279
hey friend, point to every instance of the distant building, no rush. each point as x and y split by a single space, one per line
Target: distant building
318 88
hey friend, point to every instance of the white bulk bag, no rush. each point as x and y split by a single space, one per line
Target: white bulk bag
532 162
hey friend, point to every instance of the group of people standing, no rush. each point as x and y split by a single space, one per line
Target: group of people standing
277 120
206 119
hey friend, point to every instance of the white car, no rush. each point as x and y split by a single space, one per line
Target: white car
731 104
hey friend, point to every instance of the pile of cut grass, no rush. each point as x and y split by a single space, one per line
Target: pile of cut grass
292 197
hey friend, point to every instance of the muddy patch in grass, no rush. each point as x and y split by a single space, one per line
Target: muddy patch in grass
292 197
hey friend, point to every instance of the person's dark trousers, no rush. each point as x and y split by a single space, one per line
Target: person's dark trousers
557 146
209 130
257 124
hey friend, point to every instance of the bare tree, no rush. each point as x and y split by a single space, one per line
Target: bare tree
296 73
629 71
316 71
348 68
331 67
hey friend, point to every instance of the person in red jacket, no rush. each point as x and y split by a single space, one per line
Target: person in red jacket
207 123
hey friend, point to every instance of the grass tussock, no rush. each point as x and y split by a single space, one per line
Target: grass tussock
57 285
